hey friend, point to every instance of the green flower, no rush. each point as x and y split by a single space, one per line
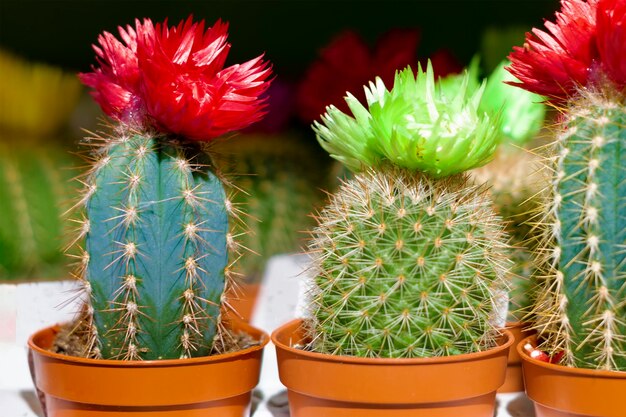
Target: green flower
420 125
522 111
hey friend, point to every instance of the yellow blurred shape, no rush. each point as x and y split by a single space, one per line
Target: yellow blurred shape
35 99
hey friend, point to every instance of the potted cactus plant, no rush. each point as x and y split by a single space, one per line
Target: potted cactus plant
409 262
150 337
576 366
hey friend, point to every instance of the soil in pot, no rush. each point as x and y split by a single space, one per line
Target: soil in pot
561 391
211 386
340 386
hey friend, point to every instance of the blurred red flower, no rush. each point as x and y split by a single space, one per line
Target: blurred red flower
173 79
347 64
587 42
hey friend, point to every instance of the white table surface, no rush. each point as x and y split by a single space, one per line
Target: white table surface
26 308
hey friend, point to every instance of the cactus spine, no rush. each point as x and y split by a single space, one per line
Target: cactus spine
409 257
155 249
579 307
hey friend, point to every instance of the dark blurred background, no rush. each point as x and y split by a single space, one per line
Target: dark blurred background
291 32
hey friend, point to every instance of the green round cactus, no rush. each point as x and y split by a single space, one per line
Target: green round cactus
407 266
409 256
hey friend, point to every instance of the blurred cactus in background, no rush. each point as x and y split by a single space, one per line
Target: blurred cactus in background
283 177
514 177
35 168
282 174
578 64
409 256
497 42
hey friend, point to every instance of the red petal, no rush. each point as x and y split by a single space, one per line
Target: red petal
611 18
555 63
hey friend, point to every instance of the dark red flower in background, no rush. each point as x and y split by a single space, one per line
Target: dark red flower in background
587 40
347 64
173 79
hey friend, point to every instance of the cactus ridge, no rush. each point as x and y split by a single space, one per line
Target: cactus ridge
156 249
580 308
406 266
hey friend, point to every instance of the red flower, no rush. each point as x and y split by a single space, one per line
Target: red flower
173 79
611 20
347 64
587 38
115 83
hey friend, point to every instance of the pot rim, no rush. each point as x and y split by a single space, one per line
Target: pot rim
263 341
553 367
388 361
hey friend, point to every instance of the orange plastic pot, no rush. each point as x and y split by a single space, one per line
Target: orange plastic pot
340 386
212 386
561 391
514 381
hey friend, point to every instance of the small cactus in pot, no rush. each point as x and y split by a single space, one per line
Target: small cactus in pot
579 66
409 258
155 216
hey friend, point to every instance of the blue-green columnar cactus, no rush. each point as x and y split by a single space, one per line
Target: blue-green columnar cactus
579 308
156 218
155 248
409 256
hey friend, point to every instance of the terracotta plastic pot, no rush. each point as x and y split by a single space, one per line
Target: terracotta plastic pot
514 381
212 386
340 386
561 391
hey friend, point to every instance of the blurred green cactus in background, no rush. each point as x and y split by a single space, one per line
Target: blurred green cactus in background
281 178
35 168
